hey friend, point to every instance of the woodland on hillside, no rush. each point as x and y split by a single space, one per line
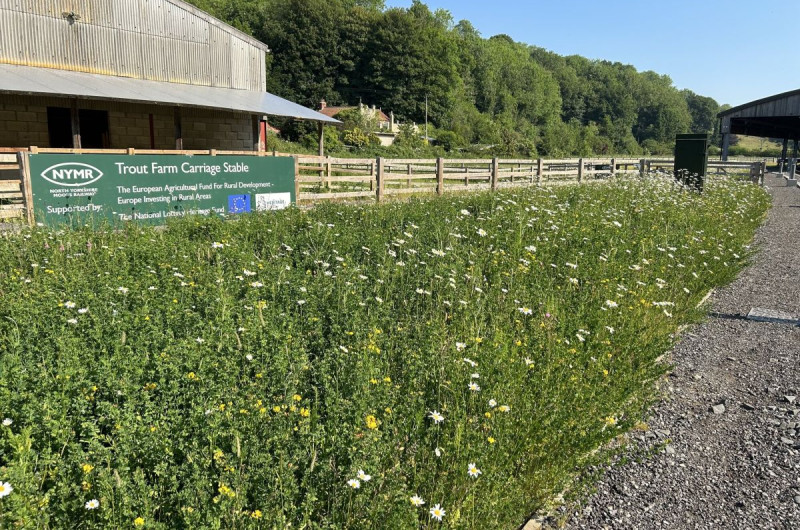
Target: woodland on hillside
484 94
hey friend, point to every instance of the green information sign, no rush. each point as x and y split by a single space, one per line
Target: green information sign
71 188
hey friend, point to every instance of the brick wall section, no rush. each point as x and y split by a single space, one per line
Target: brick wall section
23 123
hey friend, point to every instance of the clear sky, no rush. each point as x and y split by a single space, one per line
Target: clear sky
734 51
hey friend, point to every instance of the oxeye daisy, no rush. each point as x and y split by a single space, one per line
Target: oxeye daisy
5 489
473 471
435 416
437 512
363 476
416 500
92 504
354 483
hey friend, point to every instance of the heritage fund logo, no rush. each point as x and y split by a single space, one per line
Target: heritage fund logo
73 174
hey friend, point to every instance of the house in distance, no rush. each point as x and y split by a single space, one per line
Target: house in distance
388 127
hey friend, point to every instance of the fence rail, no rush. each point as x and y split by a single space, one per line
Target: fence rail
329 178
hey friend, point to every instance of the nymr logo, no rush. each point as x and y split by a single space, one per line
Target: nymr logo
72 174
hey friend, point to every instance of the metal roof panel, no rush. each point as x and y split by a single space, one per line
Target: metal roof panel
52 82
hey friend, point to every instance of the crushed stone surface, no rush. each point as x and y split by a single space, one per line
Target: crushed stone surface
724 441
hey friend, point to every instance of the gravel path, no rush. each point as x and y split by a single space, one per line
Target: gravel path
735 466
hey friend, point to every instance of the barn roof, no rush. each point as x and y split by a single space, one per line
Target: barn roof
775 116
26 80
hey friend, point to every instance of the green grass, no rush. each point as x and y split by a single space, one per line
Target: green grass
238 374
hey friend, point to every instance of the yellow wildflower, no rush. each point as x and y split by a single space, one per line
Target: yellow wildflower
372 423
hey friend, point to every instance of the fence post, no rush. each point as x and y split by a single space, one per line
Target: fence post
642 169
379 179
495 170
439 176
296 180
613 167
328 171
580 170
539 168
25 181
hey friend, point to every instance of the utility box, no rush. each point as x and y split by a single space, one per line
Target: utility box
691 159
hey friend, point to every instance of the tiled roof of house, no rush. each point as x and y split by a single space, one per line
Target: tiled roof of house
333 111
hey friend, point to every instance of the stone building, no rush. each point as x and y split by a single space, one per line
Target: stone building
145 74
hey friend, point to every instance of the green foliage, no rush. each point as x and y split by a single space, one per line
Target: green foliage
237 374
494 93
449 140
409 137
359 139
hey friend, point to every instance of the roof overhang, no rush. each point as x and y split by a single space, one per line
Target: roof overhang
775 116
27 80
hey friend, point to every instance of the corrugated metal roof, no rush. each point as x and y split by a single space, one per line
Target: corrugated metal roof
51 82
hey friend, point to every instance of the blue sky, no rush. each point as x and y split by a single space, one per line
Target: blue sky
734 51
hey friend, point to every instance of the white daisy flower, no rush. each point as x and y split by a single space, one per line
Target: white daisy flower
416 500
7 422
436 417
437 512
92 504
5 489
354 483
473 471
363 476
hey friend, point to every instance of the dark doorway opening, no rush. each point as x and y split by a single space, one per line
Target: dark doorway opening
59 127
94 129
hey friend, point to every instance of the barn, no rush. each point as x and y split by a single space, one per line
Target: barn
132 74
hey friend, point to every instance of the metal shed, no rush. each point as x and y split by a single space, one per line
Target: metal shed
132 73
775 116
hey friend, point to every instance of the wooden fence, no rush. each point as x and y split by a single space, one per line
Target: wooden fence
326 178
12 202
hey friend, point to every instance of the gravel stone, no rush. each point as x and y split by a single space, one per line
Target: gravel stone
740 469
718 409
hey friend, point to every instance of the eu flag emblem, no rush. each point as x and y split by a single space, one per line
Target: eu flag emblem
238 203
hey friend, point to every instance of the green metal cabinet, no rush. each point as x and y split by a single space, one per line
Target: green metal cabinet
691 159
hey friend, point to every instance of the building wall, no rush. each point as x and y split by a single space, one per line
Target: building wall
23 123
161 40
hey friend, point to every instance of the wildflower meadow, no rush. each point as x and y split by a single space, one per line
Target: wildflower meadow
448 362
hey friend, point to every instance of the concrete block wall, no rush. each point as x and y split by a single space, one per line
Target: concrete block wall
218 130
23 123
